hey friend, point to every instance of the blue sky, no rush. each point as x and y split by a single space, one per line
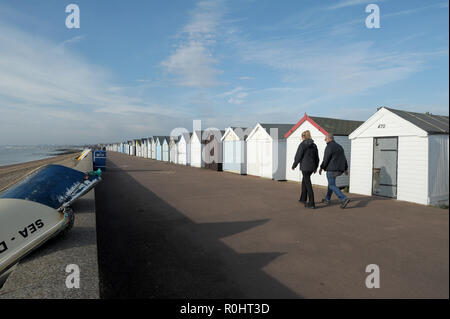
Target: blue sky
142 68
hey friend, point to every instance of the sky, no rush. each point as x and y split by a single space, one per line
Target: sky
140 68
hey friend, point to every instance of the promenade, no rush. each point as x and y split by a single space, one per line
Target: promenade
171 231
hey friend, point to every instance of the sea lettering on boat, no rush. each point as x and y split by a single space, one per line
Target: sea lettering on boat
32 228
3 247
39 223
24 232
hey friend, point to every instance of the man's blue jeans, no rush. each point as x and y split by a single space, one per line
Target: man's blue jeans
333 188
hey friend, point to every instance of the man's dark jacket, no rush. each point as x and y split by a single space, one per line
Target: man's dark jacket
334 158
307 156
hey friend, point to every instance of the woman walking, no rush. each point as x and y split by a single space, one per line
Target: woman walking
308 157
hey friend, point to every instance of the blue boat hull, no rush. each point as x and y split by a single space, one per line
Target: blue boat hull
55 186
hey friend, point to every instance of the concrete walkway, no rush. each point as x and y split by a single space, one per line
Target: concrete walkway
42 274
167 231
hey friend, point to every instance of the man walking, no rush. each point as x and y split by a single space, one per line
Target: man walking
334 163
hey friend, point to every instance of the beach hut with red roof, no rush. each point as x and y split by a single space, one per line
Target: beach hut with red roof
319 127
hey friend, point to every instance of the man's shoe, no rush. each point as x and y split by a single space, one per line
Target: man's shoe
325 201
345 202
310 206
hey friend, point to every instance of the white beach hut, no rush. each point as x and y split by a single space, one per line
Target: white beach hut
153 147
184 149
165 149
235 150
197 145
159 143
402 155
144 147
132 148
136 150
173 149
212 154
266 151
319 127
138 147
149 147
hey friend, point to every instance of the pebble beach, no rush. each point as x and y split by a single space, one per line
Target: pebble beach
11 174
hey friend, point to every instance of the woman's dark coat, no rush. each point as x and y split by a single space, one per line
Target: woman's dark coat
307 156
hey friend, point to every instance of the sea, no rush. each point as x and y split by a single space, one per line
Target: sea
15 154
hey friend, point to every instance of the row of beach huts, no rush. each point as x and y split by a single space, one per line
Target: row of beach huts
397 154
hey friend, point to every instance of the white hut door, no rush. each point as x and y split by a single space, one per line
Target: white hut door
266 160
253 158
196 153
182 153
384 178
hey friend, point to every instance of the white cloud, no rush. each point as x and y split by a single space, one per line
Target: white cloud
238 99
204 20
319 69
344 70
235 96
349 3
440 5
34 70
50 95
75 39
192 63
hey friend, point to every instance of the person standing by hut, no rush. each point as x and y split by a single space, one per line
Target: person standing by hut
308 157
335 164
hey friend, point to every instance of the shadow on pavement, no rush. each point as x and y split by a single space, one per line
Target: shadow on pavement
358 202
115 170
149 249
355 202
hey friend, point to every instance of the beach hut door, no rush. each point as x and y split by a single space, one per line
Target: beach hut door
384 173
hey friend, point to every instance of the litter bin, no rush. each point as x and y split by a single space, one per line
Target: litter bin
99 160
